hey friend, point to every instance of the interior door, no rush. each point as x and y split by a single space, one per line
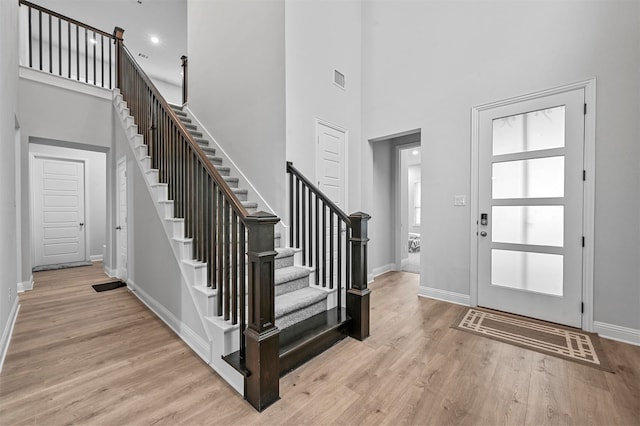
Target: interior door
331 181
58 211
121 227
530 198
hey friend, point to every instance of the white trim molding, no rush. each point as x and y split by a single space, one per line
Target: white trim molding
65 83
383 269
616 332
25 285
8 331
96 258
199 345
444 295
589 162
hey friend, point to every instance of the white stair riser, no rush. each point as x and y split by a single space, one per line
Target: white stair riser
141 150
146 162
161 191
176 226
224 334
184 248
206 299
152 176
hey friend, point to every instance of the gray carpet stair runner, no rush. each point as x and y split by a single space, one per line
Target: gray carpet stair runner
295 300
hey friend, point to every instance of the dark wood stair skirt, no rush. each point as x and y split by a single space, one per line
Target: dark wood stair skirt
304 340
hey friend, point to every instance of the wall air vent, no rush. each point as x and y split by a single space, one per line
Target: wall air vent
338 79
143 56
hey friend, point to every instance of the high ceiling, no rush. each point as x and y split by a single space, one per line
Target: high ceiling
141 20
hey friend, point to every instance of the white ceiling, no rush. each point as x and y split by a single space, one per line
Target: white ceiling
141 19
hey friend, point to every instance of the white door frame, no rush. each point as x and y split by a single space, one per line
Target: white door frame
326 123
589 87
87 223
401 236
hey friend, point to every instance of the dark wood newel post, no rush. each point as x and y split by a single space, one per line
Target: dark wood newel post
358 294
185 79
118 34
262 360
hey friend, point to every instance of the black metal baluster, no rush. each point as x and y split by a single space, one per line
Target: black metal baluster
303 226
243 284
50 48
69 49
227 294
339 263
78 54
347 242
220 251
291 202
59 47
86 56
324 244
317 239
40 38
94 42
102 59
297 223
310 230
234 257
30 38
331 260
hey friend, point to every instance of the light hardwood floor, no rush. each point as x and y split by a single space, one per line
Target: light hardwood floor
80 357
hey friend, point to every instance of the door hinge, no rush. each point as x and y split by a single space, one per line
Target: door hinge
582 241
582 308
585 109
584 175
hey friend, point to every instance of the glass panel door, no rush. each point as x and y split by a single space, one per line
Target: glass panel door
530 200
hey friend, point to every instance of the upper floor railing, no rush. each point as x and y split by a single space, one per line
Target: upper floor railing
62 46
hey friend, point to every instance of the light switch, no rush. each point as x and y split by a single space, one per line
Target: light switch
459 200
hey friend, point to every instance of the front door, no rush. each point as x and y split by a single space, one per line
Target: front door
58 211
530 198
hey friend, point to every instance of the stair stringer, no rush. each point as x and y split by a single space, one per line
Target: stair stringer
222 335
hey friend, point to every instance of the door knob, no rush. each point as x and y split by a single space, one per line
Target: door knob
81 223
483 233
118 228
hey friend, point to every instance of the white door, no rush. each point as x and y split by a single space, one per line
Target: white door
530 198
58 210
331 163
121 227
331 181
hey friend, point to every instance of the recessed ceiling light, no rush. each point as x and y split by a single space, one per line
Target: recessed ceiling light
415 152
155 40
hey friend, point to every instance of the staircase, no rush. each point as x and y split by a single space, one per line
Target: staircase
296 300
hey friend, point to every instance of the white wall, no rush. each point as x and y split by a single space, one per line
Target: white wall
428 63
237 86
322 36
8 220
96 187
57 109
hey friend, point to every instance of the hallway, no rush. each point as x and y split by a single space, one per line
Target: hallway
102 358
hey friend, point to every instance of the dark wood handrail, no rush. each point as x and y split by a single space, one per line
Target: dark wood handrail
235 203
65 18
341 214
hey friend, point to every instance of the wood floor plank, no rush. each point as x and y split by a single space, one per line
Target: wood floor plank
81 357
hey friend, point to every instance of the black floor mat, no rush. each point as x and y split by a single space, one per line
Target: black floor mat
108 286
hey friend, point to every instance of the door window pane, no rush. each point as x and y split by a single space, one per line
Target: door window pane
538 272
537 225
537 178
532 131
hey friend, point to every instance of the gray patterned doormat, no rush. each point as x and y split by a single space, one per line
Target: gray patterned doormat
548 338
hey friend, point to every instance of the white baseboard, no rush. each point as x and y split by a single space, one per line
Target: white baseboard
370 278
616 332
445 295
110 272
383 269
8 330
25 285
96 258
199 345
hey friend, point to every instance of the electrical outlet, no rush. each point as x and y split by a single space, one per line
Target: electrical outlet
10 296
